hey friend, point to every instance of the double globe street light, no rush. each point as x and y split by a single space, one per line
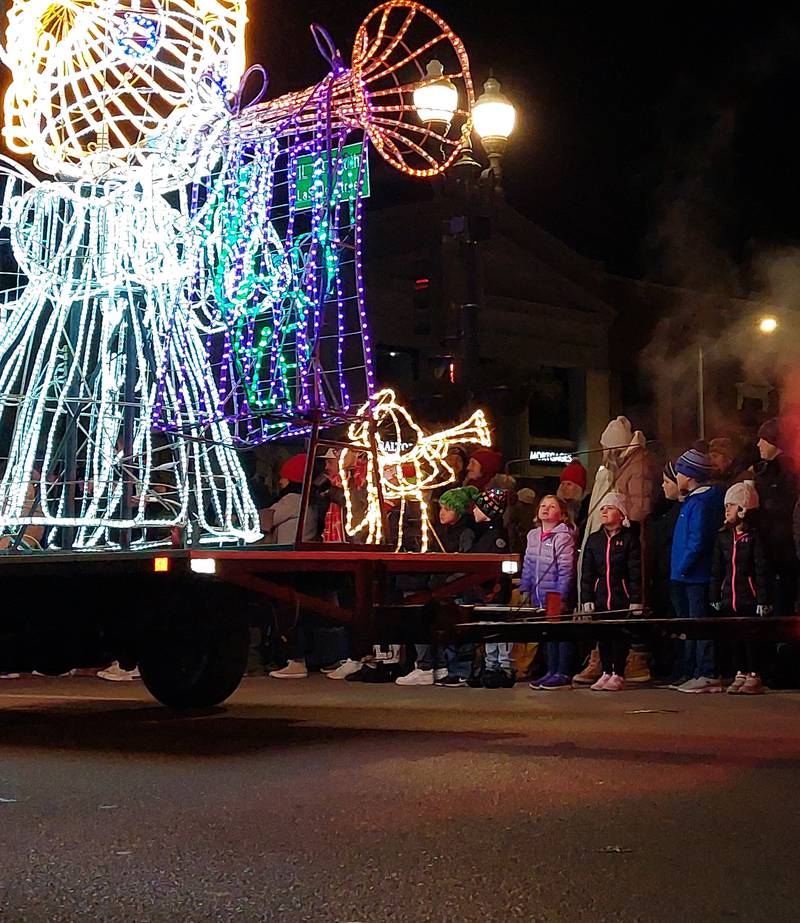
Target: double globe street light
493 117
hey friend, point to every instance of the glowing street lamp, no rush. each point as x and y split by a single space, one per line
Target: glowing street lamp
436 97
494 116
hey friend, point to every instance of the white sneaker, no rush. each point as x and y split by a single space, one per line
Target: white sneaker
416 678
703 684
440 674
116 674
10 675
601 683
615 683
345 669
295 669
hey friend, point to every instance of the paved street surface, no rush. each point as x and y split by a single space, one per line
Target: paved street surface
334 802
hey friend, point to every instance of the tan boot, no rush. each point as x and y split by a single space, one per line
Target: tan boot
637 669
591 672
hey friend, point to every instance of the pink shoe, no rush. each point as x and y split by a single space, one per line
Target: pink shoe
602 684
615 684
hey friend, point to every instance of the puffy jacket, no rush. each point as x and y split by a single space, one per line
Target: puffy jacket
611 573
549 566
739 572
776 484
695 535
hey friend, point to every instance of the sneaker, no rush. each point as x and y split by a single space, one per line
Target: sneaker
537 683
452 682
637 669
601 683
508 679
116 674
615 683
441 673
475 680
736 686
591 672
557 681
702 684
752 686
331 667
678 682
345 669
10 675
493 679
295 669
416 678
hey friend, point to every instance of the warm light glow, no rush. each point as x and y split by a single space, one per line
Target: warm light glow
493 114
436 98
161 565
768 325
96 82
410 463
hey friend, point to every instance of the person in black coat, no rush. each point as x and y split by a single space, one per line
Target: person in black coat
611 579
776 485
740 581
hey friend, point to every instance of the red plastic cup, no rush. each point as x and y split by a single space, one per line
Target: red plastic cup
552 605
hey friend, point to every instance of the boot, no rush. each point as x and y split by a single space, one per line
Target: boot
636 668
591 672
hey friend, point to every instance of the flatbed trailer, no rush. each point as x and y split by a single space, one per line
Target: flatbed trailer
525 624
183 614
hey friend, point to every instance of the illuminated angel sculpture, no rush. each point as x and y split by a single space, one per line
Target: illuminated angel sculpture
123 101
410 464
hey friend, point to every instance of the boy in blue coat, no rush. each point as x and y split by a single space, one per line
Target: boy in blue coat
692 554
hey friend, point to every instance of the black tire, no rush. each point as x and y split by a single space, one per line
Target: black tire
196 668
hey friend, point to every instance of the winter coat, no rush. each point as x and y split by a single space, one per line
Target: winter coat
285 515
458 538
695 535
739 572
490 538
777 493
549 566
658 548
611 572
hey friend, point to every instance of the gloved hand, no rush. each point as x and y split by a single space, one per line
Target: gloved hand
763 611
588 608
717 607
637 607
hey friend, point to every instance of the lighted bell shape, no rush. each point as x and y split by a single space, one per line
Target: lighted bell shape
494 116
436 97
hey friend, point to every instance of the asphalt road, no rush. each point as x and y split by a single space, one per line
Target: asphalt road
334 802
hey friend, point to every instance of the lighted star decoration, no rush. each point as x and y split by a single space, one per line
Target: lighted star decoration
409 463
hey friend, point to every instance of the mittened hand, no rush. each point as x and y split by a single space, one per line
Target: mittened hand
637 607
588 608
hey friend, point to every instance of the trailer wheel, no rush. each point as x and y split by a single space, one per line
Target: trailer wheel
196 668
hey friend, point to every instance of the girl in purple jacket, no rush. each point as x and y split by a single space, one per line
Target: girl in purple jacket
549 567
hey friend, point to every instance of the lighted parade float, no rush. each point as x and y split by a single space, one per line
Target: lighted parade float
183 280
189 280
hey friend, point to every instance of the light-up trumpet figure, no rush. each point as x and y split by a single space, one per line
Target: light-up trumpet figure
282 223
122 100
410 464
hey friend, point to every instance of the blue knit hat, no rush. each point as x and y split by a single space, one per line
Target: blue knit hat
694 464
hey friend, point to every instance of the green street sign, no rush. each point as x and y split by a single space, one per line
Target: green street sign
348 170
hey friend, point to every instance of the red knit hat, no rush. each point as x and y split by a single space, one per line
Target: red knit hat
490 461
574 472
293 469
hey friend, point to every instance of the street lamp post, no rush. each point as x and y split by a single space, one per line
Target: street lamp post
767 325
494 118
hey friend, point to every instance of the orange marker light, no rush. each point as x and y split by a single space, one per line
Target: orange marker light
161 565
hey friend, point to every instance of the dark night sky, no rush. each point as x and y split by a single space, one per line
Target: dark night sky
643 134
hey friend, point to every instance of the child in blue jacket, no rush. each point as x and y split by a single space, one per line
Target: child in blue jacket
692 554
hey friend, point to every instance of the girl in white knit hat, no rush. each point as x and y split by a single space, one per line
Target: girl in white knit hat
739 581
